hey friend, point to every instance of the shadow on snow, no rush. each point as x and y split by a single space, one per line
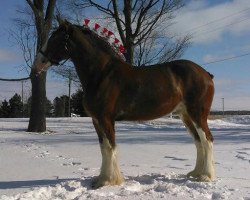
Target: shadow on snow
31 183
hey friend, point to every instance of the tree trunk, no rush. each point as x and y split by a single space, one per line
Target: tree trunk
129 35
43 23
37 122
129 55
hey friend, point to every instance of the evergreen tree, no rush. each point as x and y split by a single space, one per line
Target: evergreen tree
49 108
65 100
48 105
27 107
16 106
1 112
59 107
5 109
77 103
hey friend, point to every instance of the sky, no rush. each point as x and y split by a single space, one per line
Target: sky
220 31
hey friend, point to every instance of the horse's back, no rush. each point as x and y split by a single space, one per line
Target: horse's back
183 74
179 68
183 68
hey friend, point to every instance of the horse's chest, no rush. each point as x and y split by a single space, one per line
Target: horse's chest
96 102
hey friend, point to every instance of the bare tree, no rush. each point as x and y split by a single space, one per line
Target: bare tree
24 35
42 11
33 26
138 22
68 72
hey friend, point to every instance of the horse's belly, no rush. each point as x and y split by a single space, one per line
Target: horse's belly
147 110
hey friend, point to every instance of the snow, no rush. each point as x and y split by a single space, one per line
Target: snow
154 157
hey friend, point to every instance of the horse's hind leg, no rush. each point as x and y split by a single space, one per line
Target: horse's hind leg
110 173
199 148
204 144
208 172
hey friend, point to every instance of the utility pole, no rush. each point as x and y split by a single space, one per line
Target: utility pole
223 106
70 79
22 101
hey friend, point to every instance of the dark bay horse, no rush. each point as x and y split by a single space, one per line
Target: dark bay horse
115 90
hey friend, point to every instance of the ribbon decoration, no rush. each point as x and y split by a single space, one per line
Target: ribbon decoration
116 41
96 26
108 34
104 30
86 22
122 49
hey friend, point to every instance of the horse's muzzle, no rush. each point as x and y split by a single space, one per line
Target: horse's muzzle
41 64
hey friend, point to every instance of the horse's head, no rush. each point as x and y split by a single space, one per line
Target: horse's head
56 48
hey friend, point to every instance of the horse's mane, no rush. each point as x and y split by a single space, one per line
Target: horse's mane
100 42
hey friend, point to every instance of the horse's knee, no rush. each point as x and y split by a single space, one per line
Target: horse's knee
108 130
105 129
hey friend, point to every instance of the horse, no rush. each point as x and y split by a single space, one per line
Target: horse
115 90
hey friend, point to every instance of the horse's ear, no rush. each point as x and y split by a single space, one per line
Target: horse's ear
63 23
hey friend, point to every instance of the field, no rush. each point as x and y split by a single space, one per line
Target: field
154 157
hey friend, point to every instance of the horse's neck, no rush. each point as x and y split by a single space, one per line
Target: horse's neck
89 61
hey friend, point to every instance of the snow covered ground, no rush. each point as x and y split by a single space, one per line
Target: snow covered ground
154 157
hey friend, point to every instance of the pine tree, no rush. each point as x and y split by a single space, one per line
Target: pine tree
16 106
59 107
5 109
49 108
77 103
1 112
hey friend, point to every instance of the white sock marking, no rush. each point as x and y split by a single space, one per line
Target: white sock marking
208 168
110 173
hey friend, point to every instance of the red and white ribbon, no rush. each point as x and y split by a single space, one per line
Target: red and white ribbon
105 32
86 22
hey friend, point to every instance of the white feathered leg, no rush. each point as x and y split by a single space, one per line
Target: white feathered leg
199 148
199 160
208 172
110 172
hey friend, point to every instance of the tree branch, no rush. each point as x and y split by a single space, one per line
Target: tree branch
32 6
50 10
150 24
118 22
90 3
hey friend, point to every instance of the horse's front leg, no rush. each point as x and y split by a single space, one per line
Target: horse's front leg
110 173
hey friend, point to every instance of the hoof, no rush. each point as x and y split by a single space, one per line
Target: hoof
204 178
97 184
200 177
100 182
194 174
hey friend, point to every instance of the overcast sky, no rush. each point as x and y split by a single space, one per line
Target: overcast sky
220 30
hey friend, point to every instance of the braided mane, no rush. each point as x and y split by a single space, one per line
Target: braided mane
100 42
